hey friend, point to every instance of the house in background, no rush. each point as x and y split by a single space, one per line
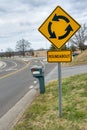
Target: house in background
40 53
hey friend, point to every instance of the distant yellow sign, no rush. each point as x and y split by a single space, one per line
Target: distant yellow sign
59 56
59 27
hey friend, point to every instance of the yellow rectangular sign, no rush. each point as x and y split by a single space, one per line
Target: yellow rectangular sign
59 56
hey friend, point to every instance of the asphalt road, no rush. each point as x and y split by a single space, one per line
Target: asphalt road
16 82
67 72
10 66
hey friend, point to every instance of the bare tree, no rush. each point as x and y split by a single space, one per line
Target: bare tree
22 46
80 37
54 48
9 52
73 47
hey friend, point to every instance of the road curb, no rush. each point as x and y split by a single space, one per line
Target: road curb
13 115
8 121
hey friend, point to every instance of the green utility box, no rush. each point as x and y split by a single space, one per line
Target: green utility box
38 72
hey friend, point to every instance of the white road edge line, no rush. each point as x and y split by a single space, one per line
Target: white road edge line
31 87
13 115
42 64
3 64
13 67
35 82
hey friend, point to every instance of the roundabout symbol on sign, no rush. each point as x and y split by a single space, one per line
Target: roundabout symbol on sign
68 28
59 27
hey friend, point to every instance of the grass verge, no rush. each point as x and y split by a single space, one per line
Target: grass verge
80 59
43 112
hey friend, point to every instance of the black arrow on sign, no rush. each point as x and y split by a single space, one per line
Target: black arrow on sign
68 30
57 18
52 34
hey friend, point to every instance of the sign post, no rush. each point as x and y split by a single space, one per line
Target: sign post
58 28
60 89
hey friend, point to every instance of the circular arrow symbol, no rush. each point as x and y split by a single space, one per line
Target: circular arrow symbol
52 34
68 29
57 18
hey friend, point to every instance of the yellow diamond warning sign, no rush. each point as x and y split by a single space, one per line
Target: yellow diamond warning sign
59 27
59 56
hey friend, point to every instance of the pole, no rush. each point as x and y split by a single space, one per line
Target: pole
60 89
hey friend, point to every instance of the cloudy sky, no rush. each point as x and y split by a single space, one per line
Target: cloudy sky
21 19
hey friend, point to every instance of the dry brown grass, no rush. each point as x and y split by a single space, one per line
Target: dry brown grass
78 60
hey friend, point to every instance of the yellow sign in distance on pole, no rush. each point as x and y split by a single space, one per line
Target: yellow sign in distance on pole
59 56
59 27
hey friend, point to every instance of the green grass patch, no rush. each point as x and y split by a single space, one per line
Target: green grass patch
43 113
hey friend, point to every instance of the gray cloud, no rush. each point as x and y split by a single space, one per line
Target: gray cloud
2 10
34 2
22 18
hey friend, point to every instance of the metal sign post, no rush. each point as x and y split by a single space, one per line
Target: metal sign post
60 89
